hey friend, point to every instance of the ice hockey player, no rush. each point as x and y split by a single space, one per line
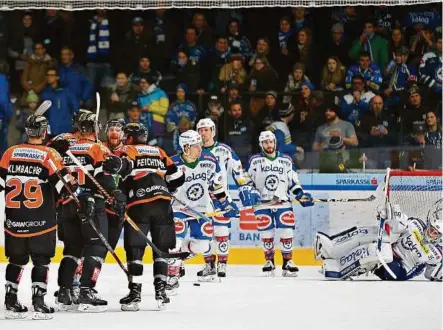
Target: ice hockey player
79 237
230 166
31 189
412 247
148 186
274 175
203 179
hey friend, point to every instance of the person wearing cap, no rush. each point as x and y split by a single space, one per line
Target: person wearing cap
369 70
215 110
431 71
414 112
137 42
180 108
154 103
399 76
134 114
33 101
356 102
338 45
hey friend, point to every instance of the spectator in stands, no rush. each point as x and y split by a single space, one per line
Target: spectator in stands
6 109
233 92
338 46
303 50
261 50
184 124
134 113
262 77
367 69
397 42
420 43
232 72
237 131
399 76
34 75
154 103
355 104
350 20
386 19
186 71
64 104
53 34
33 102
284 59
299 18
238 42
302 125
21 47
433 142
164 33
4 34
137 43
120 96
372 44
333 75
216 59
180 108
196 52
215 111
414 112
224 17
295 79
145 70
431 72
99 50
204 31
73 77
265 116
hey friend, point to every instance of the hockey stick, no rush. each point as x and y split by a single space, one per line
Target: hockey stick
91 222
199 214
381 227
161 254
43 108
97 114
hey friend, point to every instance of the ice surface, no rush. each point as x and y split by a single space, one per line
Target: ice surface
246 300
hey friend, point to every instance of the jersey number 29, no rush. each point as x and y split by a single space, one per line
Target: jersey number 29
31 190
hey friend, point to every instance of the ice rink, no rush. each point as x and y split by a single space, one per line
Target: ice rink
247 301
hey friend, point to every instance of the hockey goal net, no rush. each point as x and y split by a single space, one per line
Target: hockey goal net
415 192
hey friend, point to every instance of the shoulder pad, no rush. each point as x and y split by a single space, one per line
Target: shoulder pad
208 156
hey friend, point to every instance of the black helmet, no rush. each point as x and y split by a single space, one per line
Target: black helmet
36 126
137 131
76 116
116 122
86 123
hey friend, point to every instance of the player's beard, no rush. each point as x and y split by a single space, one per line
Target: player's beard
269 150
114 140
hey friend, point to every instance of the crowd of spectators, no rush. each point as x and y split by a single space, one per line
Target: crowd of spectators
365 83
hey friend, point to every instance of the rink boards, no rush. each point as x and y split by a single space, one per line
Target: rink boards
327 217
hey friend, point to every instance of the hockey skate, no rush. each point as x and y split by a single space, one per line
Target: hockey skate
41 310
208 273
63 299
130 302
90 301
172 284
269 268
289 269
160 293
14 310
221 269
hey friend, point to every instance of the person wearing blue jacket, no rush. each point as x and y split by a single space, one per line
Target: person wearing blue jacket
180 108
73 77
368 70
355 104
64 104
6 112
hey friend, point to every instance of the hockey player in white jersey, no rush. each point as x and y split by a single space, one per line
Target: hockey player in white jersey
274 175
203 178
230 167
412 247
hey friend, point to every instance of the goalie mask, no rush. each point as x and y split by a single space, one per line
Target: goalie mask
267 136
36 126
434 229
206 123
135 133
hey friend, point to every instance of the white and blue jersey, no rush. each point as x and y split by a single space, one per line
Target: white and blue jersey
431 71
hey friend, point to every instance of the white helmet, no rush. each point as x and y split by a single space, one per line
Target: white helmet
189 138
265 136
206 123
435 222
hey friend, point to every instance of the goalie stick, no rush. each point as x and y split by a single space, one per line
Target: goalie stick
161 254
91 222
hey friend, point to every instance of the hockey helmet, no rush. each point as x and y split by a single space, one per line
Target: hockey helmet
76 116
189 138
36 126
116 122
434 229
266 136
206 123
137 132
87 123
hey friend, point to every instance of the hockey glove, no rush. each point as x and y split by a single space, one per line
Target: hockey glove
249 196
87 206
230 208
119 203
60 145
304 198
112 164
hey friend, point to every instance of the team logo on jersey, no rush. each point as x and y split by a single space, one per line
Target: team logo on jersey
140 193
180 226
271 182
223 247
29 153
264 221
195 192
287 218
286 243
439 74
207 229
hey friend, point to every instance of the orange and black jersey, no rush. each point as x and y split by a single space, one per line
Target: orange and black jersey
91 155
31 188
115 151
153 175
